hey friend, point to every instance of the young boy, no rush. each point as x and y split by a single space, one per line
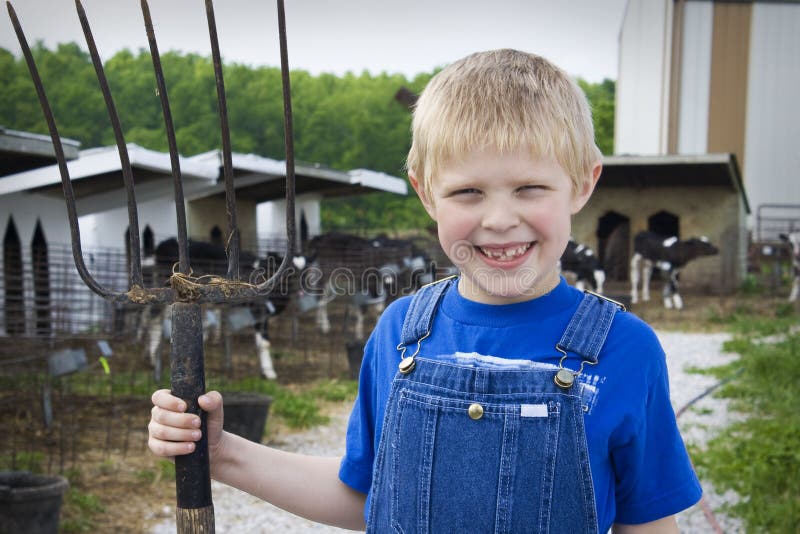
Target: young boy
502 400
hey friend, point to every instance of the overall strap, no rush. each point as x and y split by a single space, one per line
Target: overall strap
589 326
419 317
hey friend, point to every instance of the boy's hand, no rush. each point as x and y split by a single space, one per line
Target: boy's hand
172 432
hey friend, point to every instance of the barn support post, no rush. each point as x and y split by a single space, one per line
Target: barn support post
195 511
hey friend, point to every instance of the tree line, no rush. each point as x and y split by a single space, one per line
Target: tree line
343 122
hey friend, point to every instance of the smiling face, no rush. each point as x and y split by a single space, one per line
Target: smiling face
504 221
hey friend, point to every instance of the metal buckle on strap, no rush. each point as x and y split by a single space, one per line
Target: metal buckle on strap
407 363
445 279
612 301
566 377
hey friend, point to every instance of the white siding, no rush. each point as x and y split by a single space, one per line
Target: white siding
772 139
695 77
271 217
642 85
107 229
26 209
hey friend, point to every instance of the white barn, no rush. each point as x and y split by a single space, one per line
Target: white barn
706 130
704 77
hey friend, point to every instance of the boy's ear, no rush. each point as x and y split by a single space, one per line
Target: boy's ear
423 196
581 197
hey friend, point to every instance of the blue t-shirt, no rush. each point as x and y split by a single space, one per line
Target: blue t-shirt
640 469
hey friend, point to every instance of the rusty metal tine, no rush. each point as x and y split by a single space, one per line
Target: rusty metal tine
232 244
288 135
269 284
66 183
122 148
180 209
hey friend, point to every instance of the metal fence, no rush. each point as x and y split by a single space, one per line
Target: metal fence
75 373
774 219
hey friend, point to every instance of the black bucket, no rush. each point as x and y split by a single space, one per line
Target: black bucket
30 503
355 353
246 414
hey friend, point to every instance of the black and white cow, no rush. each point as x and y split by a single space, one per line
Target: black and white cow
581 260
669 255
211 259
793 239
372 272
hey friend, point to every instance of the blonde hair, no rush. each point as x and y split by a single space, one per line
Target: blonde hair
506 100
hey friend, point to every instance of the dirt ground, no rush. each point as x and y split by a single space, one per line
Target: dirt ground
135 492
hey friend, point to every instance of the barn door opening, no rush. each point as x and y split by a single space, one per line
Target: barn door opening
664 223
216 235
303 230
14 302
148 241
148 254
41 281
613 238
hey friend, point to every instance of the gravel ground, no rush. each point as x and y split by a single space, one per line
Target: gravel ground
700 422
238 512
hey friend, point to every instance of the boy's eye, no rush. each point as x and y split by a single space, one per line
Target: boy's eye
466 191
531 187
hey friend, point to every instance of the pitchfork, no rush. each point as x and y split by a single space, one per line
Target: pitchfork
195 511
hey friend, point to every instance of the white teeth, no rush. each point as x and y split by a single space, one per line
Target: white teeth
506 253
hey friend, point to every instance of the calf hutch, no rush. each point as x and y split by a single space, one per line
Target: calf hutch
681 196
40 292
23 217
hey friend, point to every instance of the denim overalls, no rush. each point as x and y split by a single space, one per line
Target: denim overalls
476 444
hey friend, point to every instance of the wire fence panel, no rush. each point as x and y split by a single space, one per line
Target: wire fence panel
76 372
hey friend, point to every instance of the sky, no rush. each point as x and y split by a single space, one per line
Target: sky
337 36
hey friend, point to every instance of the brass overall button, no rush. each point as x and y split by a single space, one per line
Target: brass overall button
475 411
564 378
407 365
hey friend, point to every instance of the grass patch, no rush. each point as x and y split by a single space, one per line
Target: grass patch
298 407
759 458
79 511
163 470
23 461
335 390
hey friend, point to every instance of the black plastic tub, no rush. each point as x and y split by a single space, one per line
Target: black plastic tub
30 503
246 413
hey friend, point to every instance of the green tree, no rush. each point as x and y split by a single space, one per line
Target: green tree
255 109
343 122
78 105
602 99
136 97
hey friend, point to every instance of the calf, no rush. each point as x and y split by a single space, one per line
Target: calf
668 254
371 272
793 239
584 264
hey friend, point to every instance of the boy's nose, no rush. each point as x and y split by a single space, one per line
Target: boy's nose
499 217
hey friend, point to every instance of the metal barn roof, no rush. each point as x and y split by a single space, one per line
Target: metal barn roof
91 173
21 151
262 179
702 170
96 177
